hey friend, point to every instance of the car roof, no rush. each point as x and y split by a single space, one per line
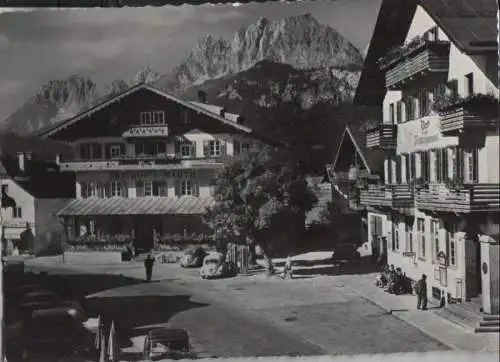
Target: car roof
167 334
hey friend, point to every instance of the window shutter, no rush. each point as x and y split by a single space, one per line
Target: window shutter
196 188
206 148
475 165
460 162
398 169
444 164
177 187
439 165
107 151
123 150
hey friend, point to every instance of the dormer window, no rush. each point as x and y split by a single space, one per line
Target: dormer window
152 118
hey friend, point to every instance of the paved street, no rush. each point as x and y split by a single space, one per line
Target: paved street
256 316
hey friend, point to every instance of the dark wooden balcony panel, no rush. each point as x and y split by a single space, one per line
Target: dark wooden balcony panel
469 198
402 197
383 137
433 59
464 119
376 195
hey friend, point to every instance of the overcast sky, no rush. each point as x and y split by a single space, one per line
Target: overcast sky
106 44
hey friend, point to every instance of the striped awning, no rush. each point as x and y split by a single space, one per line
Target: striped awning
93 206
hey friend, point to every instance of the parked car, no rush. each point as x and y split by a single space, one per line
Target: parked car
49 333
215 266
37 300
193 257
167 343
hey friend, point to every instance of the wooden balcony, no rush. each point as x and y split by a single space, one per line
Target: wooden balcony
383 137
343 177
132 163
388 196
464 199
470 116
423 59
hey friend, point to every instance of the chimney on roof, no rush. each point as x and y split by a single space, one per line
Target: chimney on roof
202 96
240 120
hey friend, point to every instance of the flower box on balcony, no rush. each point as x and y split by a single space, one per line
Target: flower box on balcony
419 57
475 112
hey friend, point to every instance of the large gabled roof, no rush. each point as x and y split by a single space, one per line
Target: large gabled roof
141 86
373 160
470 24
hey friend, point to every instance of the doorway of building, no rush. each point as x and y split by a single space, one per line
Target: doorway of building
473 268
144 234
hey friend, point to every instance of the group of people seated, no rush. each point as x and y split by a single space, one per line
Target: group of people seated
393 280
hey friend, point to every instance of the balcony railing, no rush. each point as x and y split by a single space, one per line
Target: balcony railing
342 177
462 199
419 58
391 196
146 163
479 112
382 137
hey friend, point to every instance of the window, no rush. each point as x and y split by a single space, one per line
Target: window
423 103
399 112
410 108
152 118
453 88
91 151
148 188
471 165
159 188
424 166
116 189
17 212
186 187
395 234
435 238
421 237
212 148
245 146
413 166
457 169
409 238
391 113
451 249
186 150
115 151
432 34
236 147
441 164
5 189
151 188
469 84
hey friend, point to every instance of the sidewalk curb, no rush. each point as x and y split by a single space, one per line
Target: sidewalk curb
388 310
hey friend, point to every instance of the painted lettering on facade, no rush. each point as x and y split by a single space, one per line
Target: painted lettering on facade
421 135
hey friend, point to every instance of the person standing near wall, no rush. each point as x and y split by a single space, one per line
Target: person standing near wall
148 264
421 290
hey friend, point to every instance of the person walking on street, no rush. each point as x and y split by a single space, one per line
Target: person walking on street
421 290
148 264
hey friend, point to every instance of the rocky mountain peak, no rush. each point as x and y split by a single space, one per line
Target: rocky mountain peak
146 75
300 41
74 89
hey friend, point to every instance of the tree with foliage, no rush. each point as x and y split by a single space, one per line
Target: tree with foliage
261 198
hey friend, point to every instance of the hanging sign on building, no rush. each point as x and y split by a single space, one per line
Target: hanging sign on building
422 134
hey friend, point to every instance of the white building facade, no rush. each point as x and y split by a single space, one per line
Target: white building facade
437 211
